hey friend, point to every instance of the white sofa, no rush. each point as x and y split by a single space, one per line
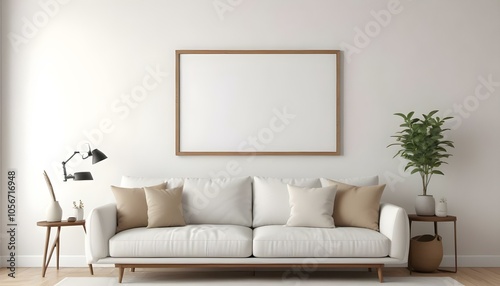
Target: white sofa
241 222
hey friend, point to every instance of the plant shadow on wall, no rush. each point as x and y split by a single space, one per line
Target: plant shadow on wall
422 143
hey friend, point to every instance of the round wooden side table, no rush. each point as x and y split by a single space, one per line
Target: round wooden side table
435 220
57 242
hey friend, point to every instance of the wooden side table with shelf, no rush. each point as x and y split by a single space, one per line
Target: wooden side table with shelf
57 241
435 220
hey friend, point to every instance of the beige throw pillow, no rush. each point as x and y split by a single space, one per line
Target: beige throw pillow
311 207
131 206
357 206
164 207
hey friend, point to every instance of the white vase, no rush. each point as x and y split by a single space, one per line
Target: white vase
54 212
78 213
425 205
442 209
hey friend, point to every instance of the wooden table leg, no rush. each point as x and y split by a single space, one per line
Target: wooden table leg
45 264
58 245
456 259
409 251
54 246
455 242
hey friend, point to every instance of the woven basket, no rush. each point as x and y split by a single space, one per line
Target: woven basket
426 253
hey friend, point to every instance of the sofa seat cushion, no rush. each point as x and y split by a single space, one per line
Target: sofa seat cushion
283 241
186 241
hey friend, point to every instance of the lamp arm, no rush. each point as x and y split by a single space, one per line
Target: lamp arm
76 152
66 177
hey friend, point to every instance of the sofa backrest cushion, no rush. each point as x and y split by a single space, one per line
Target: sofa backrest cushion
216 200
140 182
357 181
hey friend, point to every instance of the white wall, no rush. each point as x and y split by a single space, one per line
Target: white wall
68 68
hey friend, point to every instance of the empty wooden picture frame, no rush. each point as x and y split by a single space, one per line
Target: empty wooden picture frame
257 102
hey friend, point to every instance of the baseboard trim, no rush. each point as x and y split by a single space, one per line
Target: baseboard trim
36 261
80 261
471 261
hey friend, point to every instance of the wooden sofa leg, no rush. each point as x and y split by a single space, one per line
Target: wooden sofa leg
120 275
132 269
380 274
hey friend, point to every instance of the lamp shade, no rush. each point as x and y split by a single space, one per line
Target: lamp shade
82 176
97 156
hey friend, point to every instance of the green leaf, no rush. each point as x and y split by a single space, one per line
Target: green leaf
432 113
416 170
401 114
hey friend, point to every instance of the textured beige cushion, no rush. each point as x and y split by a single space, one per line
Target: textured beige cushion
357 206
311 207
131 206
164 207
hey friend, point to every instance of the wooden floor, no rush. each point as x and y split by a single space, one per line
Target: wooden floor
33 276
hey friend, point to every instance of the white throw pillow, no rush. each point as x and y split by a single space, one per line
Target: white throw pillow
270 199
311 207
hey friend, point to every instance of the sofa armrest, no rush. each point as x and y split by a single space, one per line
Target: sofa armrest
394 224
101 226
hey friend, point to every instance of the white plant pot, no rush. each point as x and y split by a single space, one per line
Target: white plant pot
425 205
442 209
54 212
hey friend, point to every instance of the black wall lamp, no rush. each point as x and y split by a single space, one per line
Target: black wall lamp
96 155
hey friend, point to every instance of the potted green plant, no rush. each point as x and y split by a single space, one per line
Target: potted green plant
422 143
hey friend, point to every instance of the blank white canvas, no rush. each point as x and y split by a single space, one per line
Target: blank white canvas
258 102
